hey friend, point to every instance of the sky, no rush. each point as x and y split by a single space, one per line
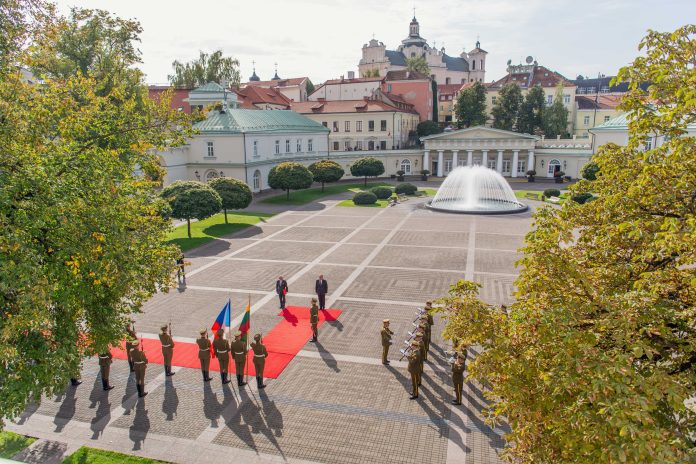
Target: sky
322 39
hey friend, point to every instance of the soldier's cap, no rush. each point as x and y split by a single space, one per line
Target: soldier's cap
314 300
220 332
386 321
419 335
203 331
238 334
428 303
164 327
257 337
131 338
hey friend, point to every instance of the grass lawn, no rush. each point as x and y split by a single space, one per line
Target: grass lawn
301 197
214 227
523 194
350 204
87 455
12 443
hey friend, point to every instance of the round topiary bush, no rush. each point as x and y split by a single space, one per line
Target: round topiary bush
548 193
382 192
365 198
581 198
406 189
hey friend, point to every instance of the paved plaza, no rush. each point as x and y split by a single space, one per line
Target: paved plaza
335 402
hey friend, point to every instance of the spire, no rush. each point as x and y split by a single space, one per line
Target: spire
414 27
276 77
254 77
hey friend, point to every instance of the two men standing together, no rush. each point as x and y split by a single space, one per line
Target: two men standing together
321 288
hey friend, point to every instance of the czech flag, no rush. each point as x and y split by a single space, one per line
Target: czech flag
246 322
223 319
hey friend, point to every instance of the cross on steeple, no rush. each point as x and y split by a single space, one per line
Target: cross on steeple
414 11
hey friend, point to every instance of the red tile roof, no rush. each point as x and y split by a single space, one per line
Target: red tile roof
279 83
603 102
155 92
250 96
404 75
355 80
450 89
541 76
344 106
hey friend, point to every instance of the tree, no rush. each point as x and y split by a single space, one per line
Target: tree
371 73
590 171
594 362
426 128
530 118
418 64
206 68
471 106
190 199
555 117
310 87
367 167
507 107
83 244
326 171
290 176
234 193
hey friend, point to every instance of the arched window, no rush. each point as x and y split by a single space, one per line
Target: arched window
256 180
210 175
406 166
554 166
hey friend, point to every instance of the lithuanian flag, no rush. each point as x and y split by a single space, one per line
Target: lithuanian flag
246 322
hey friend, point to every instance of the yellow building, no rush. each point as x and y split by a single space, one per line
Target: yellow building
446 98
594 110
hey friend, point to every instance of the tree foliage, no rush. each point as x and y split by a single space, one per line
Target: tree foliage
234 193
82 243
530 117
371 73
310 87
507 107
290 176
367 167
426 128
326 171
418 64
190 199
206 68
595 359
555 117
471 106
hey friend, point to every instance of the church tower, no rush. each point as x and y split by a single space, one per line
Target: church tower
414 28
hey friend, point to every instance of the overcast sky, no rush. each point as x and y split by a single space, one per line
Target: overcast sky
322 39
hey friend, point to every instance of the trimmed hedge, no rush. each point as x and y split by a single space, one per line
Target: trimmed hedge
365 198
581 198
382 192
406 189
548 193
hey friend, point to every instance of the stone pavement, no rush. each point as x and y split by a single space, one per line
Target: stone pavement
335 402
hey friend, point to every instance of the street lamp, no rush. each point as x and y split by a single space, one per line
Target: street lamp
222 174
198 176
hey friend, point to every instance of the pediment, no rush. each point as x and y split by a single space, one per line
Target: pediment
478 133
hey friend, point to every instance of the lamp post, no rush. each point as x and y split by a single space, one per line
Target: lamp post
222 174
198 176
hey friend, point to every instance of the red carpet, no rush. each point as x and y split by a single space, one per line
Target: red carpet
283 342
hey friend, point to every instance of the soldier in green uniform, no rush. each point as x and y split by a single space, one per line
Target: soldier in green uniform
421 354
423 324
314 319
140 364
386 335
414 368
239 353
204 345
222 351
104 368
458 378
167 350
260 355
131 344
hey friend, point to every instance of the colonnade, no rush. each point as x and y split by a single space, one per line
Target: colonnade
484 160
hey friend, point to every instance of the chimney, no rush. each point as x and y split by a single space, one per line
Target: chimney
351 74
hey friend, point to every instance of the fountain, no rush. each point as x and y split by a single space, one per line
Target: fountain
476 190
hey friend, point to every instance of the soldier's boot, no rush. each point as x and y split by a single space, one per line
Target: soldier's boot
141 390
240 380
207 377
225 380
259 382
168 370
106 386
75 382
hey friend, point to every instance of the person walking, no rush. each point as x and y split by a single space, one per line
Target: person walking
314 320
181 267
281 290
321 288
260 355
239 353
414 368
458 378
222 351
139 364
167 349
204 345
386 335
105 360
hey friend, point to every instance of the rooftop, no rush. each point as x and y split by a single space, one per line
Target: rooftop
600 102
252 95
278 82
345 106
243 121
404 75
529 76
210 87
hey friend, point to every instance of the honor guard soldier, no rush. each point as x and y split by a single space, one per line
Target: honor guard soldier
414 368
421 354
222 351
167 349
239 353
386 334
139 364
426 332
131 344
314 319
260 355
104 368
204 345
458 378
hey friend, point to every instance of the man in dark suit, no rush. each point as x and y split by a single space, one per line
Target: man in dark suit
321 287
281 290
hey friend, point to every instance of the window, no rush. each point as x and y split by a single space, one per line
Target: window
335 126
554 166
522 166
358 145
358 126
566 99
442 107
310 146
277 147
448 165
383 145
473 63
549 100
256 180
325 124
335 146
586 121
211 149
383 125
371 145
607 118
256 148
448 81
287 145
347 126
491 164
506 166
299 145
649 143
346 145
370 126
210 175
406 166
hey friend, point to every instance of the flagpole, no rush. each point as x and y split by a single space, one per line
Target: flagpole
246 364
